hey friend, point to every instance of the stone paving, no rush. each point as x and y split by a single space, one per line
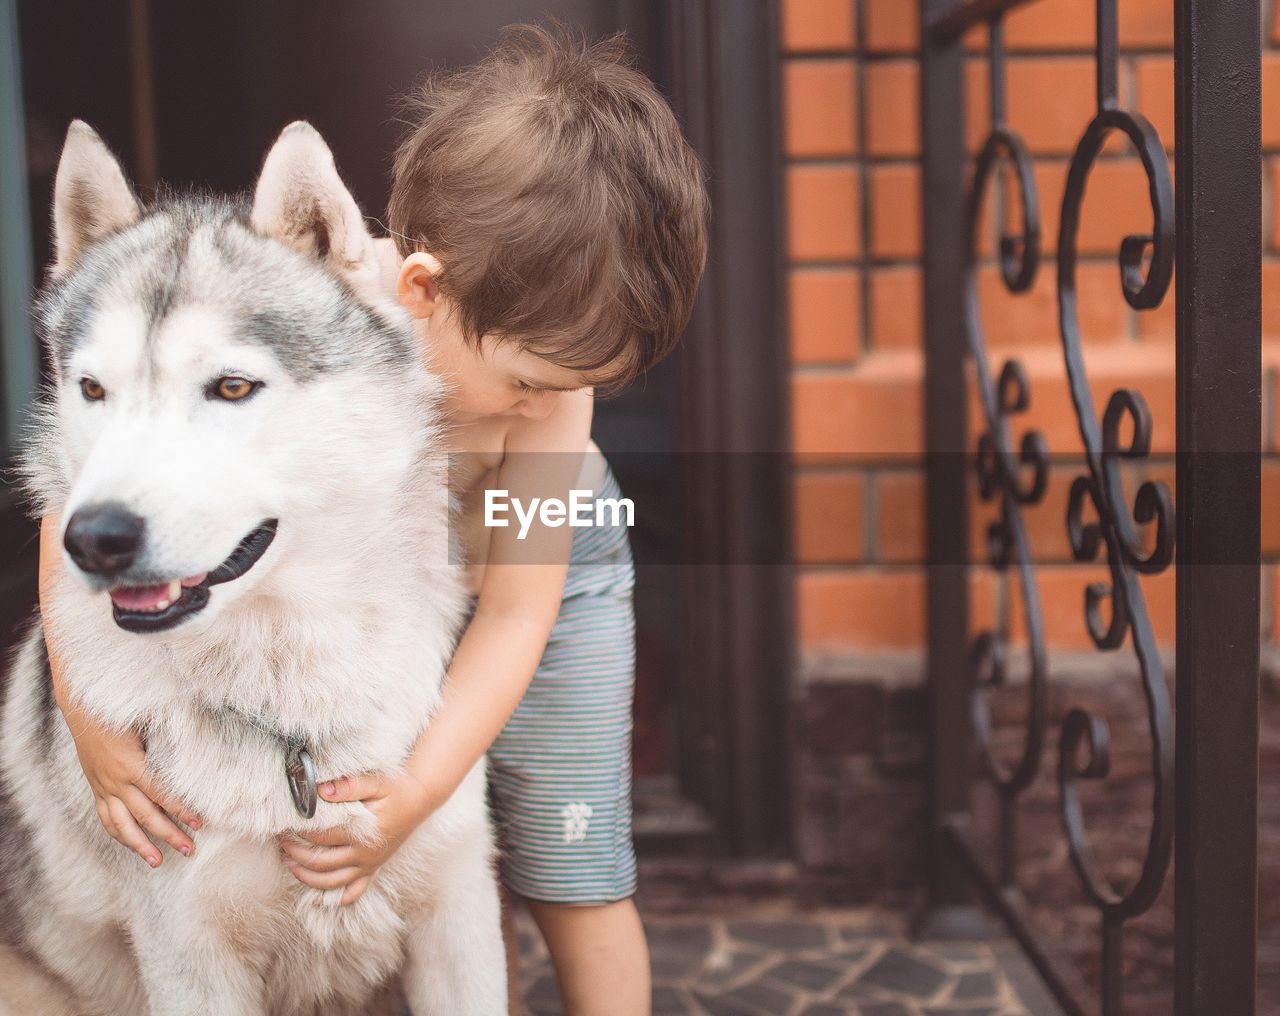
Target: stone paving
815 964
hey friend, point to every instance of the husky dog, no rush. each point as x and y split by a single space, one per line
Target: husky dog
241 442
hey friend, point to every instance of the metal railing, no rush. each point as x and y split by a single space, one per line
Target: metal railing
1204 786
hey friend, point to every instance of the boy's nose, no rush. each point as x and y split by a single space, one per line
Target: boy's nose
537 408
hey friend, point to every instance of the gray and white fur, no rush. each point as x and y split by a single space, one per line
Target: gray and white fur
339 634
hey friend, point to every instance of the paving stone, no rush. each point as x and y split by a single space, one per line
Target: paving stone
852 957
859 992
781 934
669 1002
792 962
529 943
978 986
749 1000
543 992
884 1009
903 972
1023 980
961 952
671 966
876 930
682 937
850 941
726 971
718 1005
816 977
959 1011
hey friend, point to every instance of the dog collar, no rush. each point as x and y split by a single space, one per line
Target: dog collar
300 771
299 768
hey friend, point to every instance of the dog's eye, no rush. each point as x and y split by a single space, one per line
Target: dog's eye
233 389
91 390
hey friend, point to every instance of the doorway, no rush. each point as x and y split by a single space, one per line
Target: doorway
195 100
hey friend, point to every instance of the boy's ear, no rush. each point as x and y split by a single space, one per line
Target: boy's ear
301 201
417 287
91 196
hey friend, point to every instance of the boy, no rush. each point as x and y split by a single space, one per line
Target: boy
549 235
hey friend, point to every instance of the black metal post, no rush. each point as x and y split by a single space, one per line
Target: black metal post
946 514
737 429
1218 147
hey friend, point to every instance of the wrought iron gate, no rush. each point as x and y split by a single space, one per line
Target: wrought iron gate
1204 804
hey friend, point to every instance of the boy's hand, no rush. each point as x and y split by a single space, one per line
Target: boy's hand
332 859
128 801
114 764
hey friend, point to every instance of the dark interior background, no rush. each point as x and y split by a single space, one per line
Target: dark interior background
193 94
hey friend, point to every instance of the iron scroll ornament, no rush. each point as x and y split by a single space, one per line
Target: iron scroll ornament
1018 479
1102 527
1084 748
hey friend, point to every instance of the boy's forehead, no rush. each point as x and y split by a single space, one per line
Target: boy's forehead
550 374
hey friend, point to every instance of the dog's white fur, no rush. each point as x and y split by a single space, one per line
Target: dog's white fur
341 632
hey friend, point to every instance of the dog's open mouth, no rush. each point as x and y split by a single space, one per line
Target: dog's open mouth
159 607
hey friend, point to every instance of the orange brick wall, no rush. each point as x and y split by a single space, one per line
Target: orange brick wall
850 80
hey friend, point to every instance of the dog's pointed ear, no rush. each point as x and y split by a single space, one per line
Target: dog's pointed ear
91 196
301 201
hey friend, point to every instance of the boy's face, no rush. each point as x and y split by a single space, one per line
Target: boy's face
499 378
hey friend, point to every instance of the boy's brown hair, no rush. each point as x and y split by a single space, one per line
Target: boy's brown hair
552 182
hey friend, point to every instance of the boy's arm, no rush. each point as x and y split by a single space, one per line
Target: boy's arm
519 601
491 667
113 763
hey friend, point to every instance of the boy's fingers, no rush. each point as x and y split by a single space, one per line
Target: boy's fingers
352 788
319 858
104 816
355 890
325 879
156 822
168 802
128 833
335 837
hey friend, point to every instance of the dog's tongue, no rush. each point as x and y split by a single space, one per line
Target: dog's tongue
153 597
140 597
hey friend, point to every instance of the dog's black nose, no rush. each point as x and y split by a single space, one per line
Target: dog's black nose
103 539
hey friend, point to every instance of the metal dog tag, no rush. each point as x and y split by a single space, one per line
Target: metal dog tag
300 771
